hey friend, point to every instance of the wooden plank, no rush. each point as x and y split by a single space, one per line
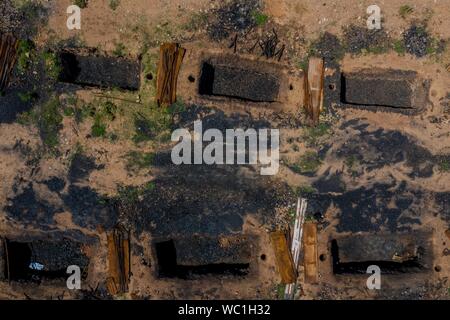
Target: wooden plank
119 261
314 81
3 272
170 59
8 57
283 257
310 252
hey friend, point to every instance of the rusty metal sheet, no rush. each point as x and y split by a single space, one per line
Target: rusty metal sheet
283 257
314 89
8 57
310 252
170 60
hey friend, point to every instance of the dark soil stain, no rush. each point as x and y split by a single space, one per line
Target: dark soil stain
443 203
233 16
330 183
81 167
417 40
380 148
209 200
359 39
393 206
330 48
205 199
30 209
55 184
89 209
213 118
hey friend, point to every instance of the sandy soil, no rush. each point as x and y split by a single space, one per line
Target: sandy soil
136 23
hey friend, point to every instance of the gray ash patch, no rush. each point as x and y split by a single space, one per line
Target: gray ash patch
417 40
358 39
233 16
21 20
329 47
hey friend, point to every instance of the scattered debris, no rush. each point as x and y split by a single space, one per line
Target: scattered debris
269 46
417 40
362 40
171 57
233 16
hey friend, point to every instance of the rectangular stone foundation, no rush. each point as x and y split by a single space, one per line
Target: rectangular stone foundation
406 253
99 71
389 90
235 81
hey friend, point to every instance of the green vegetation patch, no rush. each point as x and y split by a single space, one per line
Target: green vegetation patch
137 161
196 22
260 18
308 163
114 4
444 166
405 10
313 135
81 3
48 119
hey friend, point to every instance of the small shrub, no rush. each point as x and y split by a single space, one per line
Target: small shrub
114 4
308 163
405 10
260 18
81 3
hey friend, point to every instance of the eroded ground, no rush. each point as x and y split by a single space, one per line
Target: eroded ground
76 161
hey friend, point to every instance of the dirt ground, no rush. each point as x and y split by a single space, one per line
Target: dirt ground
362 171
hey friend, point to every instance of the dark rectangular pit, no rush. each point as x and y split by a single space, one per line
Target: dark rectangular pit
99 71
24 261
384 89
394 254
234 81
188 257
